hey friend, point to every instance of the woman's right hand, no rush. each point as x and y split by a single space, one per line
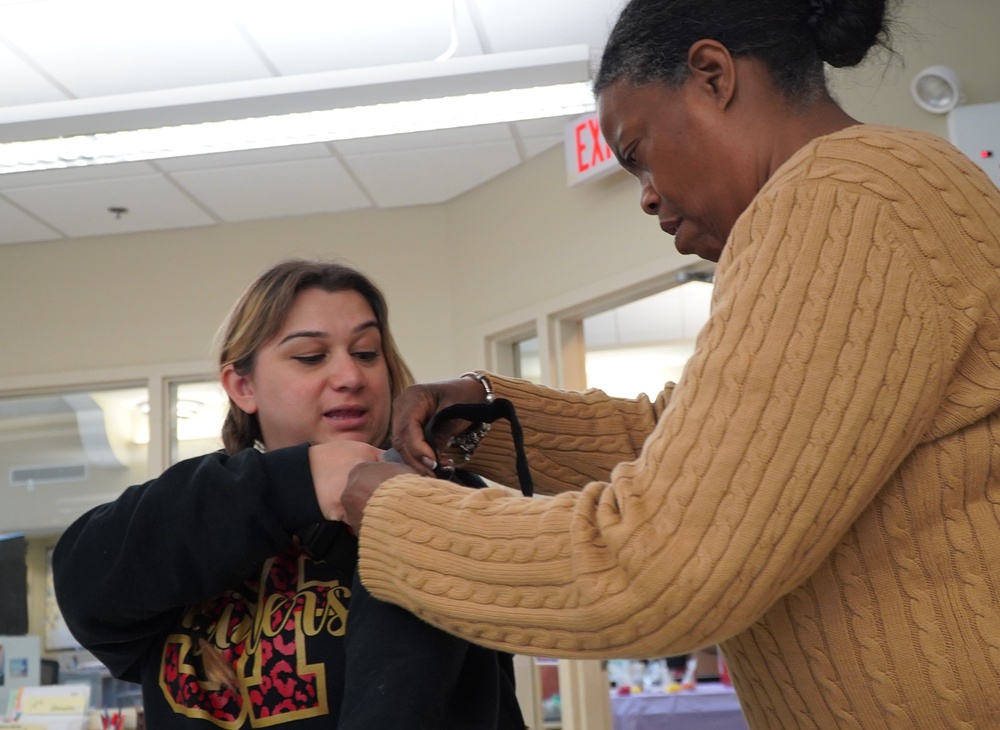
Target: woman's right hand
330 463
416 405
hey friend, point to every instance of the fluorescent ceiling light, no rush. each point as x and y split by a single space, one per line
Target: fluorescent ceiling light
291 110
329 125
299 93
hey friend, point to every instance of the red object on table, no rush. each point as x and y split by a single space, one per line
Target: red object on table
724 672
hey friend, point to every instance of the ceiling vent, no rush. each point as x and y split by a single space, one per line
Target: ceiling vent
30 476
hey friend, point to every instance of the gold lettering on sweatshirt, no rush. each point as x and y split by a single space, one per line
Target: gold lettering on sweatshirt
264 633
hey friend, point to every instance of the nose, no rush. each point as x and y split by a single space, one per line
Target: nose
345 373
649 199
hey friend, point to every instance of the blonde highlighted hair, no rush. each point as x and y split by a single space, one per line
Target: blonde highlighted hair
259 314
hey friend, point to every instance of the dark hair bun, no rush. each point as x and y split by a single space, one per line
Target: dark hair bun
845 30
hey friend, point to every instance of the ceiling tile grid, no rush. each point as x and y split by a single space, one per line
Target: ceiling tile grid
84 209
17 226
59 53
276 189
433 175
344 35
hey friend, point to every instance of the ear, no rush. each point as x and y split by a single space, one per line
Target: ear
240 389
713 71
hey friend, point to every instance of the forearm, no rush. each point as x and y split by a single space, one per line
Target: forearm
807 389
570 438
123 570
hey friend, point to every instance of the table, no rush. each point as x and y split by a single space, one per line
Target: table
709 706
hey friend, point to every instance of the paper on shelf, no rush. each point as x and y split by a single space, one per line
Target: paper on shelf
51 707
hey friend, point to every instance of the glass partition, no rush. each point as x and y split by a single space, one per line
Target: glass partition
62 453
199 409
637 347
527 364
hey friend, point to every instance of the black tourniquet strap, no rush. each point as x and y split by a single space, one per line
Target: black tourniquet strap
404 673
485 413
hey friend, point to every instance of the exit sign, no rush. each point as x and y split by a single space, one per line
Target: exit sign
588 156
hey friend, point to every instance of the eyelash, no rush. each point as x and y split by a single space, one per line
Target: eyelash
363 355
309 359
629 161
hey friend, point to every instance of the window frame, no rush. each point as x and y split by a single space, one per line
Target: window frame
156 379
558 324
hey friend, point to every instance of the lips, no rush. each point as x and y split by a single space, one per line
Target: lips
353 422
670 225
346 419
345 413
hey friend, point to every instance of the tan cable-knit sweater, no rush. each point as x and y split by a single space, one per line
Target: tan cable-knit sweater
821 493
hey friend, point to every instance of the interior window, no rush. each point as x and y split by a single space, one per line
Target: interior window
199 409
64 452
637 347
527 364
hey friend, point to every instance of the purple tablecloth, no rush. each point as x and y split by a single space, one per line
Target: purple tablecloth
709 706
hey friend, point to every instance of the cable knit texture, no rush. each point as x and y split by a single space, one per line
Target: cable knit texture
820 493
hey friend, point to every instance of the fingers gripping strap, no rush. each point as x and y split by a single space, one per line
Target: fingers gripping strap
488 413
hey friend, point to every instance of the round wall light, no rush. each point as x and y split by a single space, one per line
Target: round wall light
936 89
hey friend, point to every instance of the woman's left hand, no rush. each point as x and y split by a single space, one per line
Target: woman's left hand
362 482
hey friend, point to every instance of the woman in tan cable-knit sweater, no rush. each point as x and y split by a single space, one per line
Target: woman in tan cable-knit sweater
820 493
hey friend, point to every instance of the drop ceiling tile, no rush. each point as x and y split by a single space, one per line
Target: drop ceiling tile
246 157
424 177
16 226
441 138
103 47
21 83
518 25
254 192
81 209
41 178
126 47
310 36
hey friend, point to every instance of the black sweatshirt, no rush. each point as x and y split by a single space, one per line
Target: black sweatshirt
233 551
206 552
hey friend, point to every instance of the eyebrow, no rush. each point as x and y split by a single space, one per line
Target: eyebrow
615 146
615 143
319 335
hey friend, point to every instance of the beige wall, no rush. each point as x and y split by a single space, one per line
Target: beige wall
141 299
144 299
